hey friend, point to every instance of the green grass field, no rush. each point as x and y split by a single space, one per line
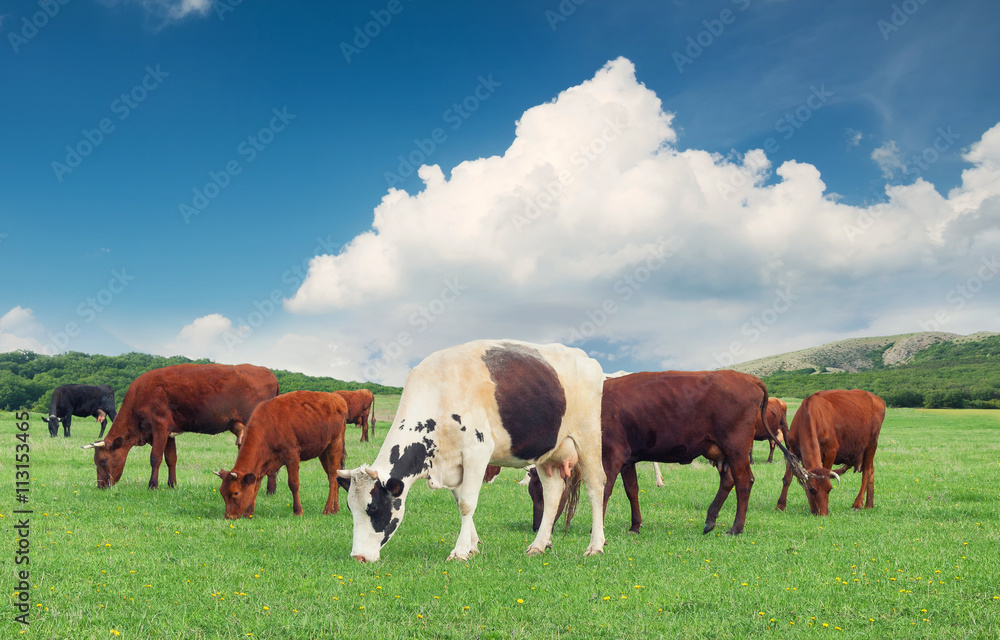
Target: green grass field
129 563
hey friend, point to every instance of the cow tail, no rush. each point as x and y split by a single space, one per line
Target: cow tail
790 458
573 483
371 420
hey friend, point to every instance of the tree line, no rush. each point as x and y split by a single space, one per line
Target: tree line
945 375
27 379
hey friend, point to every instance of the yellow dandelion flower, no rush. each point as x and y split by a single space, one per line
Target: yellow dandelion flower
420 616
116 632
520 601
267 608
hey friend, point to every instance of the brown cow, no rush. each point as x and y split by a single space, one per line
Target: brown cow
359 404
677 416
282 432
196 398
777 425
834 427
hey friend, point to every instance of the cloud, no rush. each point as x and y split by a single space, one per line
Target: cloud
165 12
205 336
854 138
595 228
20 330
888 159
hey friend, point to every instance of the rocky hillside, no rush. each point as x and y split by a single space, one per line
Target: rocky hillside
855 354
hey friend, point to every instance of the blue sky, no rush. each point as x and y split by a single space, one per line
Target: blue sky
310 117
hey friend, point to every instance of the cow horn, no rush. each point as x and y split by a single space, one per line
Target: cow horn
234 475
833 474
373 474
344 473
95 445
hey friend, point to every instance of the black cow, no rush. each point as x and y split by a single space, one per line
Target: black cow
84 400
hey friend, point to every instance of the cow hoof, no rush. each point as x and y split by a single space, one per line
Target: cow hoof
708 527
592 551
535 551
634 530
458 555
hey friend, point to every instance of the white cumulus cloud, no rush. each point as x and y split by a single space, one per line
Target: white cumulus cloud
20 330
596 228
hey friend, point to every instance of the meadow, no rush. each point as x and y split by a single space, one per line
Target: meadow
130 563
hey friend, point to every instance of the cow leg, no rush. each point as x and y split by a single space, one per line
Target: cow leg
293 484
743 479
272 483
364 428
592 470
160 437
783 498
330 458
725 486
659 475
170 454
867 480
104 425
631 484
467 498
67 421
552 490
770 456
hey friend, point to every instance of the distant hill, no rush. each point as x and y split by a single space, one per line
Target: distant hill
931 370
27 379
856 354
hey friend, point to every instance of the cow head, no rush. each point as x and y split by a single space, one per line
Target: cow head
109 459
818 487
53 423
376 506
239 491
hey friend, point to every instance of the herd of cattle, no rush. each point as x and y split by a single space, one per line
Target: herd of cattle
467 410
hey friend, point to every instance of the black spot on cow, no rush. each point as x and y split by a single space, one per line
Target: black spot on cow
414 459
457 418
530 398
462 429
380 511
425 426
479 435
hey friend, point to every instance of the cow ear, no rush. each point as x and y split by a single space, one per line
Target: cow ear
395 487
117 443
250 479
344 482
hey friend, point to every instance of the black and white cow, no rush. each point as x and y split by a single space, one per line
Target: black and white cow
498 402
84 400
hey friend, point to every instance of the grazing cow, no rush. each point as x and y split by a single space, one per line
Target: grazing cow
834 427
83 400
503 402
360 403
677 416
196 398
282 432
776 429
